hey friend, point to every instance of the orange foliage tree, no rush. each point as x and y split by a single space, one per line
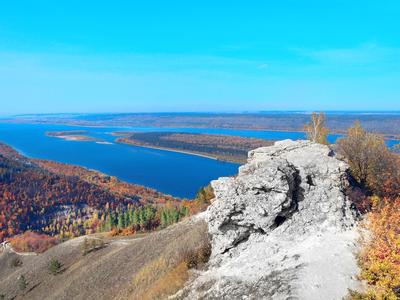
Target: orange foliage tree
32 242
380 258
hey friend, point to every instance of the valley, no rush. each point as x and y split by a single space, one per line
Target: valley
66 201
168 172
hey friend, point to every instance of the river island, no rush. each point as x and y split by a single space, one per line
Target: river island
75 135
215 146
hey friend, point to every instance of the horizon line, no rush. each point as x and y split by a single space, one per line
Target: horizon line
204 112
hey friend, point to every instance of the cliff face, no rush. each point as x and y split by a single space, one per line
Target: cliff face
282 228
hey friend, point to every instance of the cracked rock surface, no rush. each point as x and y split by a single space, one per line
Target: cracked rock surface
283 228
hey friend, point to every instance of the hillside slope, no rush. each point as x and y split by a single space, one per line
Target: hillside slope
117 271
57 198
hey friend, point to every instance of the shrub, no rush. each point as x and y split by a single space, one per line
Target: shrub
128 231
377 171
355 295
371 162
359 198
202 199
22 284
33 242
15 262
54 266
122 231
197 257
90 245
85 246
115 232
380 257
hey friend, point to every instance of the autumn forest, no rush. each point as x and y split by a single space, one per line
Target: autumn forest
67 201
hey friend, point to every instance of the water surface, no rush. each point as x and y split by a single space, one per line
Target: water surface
169 172
173 173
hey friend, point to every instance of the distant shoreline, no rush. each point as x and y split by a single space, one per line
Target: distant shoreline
386 136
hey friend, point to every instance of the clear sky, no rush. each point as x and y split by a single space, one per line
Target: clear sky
143 56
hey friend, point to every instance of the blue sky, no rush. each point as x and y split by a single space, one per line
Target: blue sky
143 56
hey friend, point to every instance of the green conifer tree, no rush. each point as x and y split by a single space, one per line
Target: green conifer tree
164 219
121 221
22 283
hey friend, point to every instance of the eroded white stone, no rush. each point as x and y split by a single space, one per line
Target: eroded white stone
283 228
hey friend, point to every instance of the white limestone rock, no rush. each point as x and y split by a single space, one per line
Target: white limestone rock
283 228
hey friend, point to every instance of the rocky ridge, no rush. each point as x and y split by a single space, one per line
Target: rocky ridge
283 228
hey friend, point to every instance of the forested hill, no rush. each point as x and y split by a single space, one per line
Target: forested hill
63 200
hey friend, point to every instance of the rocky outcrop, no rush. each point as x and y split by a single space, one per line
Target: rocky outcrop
283 228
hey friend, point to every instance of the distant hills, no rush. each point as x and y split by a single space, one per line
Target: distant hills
382 122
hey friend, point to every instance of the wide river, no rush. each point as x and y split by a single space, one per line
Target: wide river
173 173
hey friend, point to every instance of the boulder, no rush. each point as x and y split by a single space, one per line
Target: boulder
283 228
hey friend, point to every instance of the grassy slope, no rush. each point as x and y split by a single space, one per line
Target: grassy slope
118 271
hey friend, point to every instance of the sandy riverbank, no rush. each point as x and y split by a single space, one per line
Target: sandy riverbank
171 150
